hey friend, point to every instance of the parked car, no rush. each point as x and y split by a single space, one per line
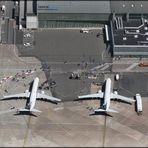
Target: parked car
27 35
84 30
27 44
3 8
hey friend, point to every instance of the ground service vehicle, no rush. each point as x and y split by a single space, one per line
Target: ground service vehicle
139 104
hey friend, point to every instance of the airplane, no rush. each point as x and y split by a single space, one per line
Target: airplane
107 95
33 95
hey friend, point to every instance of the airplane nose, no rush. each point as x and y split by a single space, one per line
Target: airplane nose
37 78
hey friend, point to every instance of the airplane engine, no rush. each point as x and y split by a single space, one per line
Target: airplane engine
42 92
99 91
115 92
26 91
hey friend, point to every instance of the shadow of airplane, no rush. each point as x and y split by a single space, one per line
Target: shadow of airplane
14 98
100 113
25 113
45 100
80 100
122 101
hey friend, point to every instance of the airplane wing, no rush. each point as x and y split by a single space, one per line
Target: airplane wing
121 97
26 94
97 95
50 98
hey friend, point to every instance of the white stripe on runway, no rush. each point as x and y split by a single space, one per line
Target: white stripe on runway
132 66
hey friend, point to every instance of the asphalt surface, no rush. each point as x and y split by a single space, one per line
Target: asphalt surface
9 8
61 45
60 60
7 22
67 123
132 83
60 52
65 51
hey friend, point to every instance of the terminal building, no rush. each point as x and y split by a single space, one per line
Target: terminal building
127 20
57 14
75 13
129 37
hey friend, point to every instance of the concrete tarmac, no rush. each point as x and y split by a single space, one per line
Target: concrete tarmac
67 123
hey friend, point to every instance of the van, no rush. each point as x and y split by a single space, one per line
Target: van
117 77
3 8
84 30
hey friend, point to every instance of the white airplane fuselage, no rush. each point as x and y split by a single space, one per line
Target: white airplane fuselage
107 94
32 96
33 93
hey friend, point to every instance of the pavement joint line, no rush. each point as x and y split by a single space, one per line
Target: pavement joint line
132 66
27 132
105 67
104 131
68 123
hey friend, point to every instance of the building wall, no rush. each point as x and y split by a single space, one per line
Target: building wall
29 7
73 6
104 7
72 13
32 22
72 16
133 51
21 11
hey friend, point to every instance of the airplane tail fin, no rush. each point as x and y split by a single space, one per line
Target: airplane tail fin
27 110
108 110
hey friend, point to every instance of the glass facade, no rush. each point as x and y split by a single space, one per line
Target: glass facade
71 20
66 24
